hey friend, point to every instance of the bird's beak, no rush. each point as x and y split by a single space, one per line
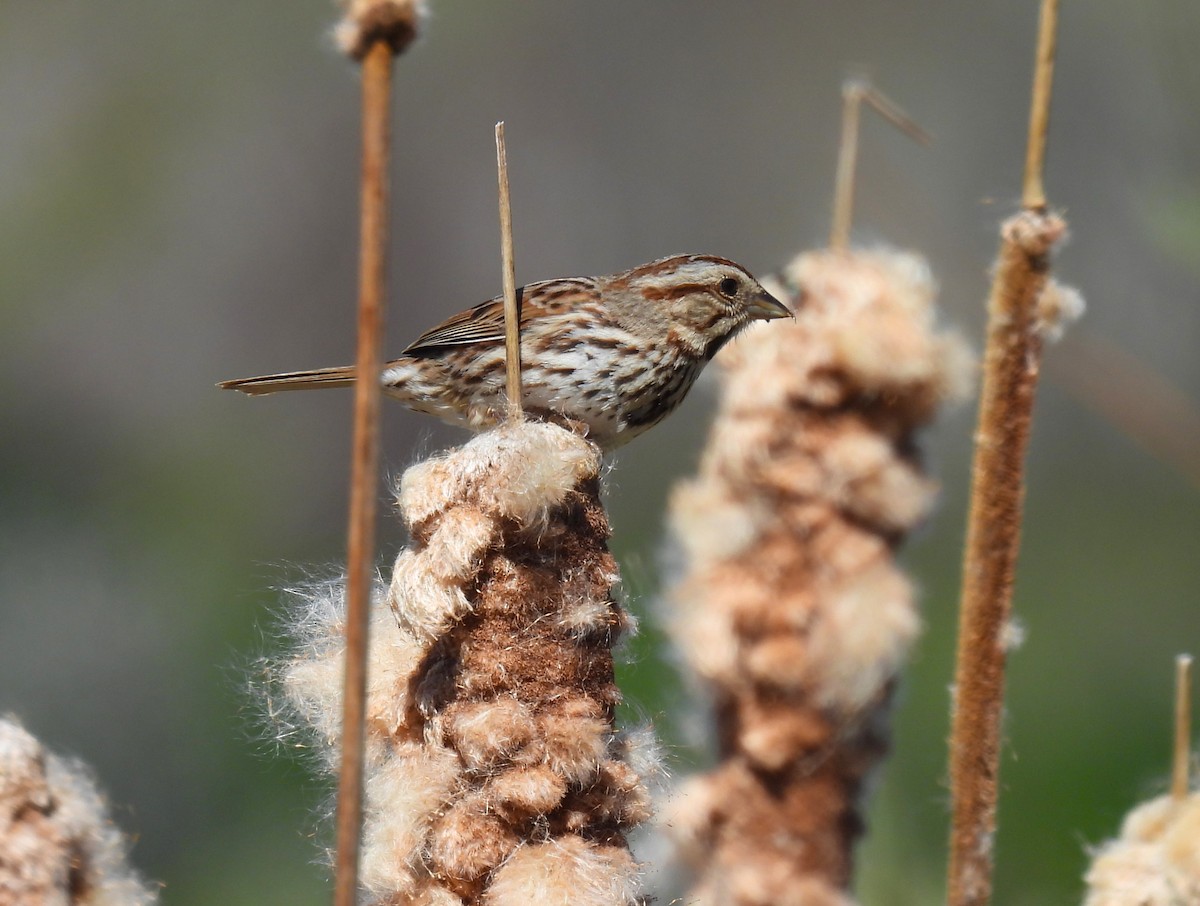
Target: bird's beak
765 307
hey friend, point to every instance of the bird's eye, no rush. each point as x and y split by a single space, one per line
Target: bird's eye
728 287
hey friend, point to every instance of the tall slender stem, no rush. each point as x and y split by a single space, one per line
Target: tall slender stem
1010 375
1183 727
376 103
512 310
1033 194
843 184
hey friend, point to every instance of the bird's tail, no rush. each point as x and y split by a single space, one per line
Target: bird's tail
294 380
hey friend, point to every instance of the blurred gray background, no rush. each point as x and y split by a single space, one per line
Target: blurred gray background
178 198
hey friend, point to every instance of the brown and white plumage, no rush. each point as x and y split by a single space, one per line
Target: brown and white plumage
612 354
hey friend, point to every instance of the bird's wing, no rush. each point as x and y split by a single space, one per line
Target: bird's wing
484 324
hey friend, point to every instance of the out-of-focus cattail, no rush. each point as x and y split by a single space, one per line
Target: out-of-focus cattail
793 611
1155 861
494 772
395 22
58 844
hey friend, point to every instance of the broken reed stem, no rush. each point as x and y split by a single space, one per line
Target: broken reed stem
1011 363
376 102
512 312
1183 727
854 92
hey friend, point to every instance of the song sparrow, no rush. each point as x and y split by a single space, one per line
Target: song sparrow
613 354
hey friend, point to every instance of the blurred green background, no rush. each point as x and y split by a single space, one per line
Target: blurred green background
178 205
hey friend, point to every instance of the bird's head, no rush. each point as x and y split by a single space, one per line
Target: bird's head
698 302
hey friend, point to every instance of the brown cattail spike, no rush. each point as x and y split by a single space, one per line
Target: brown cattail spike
1024 307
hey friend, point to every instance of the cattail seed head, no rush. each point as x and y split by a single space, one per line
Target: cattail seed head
493 763
57 841
794 613
1156 859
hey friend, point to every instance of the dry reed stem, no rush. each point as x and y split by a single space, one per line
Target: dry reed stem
1011 363
376 114
372 32
495 775
1033 194
1182 757
512 310
58 845
793 611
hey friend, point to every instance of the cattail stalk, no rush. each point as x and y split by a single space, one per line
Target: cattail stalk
376 84
793 611
1033 192
1011 363
371 32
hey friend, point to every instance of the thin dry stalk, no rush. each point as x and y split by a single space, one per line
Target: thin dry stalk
376 97
843 186
793 610
372 32
1033 194
854 93
1011 363
1181 762
512 310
